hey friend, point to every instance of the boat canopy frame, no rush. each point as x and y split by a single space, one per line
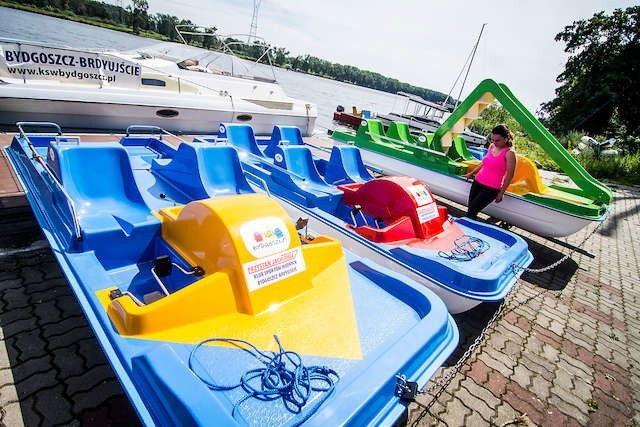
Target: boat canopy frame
227 43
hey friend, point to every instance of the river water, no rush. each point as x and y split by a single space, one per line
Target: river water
325 93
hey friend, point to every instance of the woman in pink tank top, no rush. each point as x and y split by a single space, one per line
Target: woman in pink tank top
494 174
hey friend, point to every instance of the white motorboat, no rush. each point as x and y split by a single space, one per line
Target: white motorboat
177 87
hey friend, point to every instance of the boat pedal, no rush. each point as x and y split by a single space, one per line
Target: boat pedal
163 266
152 297
303 223
117 293
357 209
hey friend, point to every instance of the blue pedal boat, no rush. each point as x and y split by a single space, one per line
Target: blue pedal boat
197 288
465 262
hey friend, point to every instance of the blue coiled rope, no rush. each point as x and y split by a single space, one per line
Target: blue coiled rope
283 377
466 248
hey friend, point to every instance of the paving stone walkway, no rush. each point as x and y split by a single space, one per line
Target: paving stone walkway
566 350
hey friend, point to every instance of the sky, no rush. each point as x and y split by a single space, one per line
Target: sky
421 42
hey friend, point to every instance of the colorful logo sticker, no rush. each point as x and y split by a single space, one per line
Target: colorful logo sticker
420 194
265 236
278 157
221 129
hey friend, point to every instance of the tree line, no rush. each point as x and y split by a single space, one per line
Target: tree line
137 18
599 88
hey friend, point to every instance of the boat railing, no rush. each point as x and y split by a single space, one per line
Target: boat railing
37 157
412 146
152 129
227 42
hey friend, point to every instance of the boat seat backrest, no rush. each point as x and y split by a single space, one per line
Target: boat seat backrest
424 140
373 128
298 159
220 170
114 219
459 150
346 166
240 136
204 170
399 131
290 134
96 175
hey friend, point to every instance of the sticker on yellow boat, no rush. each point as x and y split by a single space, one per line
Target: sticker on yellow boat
268 270
265 236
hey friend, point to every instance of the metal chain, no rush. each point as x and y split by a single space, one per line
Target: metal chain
444 381
561 260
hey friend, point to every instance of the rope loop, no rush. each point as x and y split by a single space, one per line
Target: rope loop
282 376
466 248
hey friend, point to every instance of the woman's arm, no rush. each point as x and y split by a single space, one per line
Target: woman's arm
511 169
473 172
477 168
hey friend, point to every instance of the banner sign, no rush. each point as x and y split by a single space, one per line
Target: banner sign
33 62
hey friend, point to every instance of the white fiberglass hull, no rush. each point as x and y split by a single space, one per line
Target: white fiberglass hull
91 108
530 216
455 303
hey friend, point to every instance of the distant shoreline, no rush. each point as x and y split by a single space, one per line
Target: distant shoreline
82 20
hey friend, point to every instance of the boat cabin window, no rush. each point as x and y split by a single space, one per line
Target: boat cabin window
153 82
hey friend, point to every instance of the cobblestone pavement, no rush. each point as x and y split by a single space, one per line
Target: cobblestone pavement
565 351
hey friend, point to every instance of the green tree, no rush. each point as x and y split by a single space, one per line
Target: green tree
280 56
210 42
601 80
140 17
166 25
